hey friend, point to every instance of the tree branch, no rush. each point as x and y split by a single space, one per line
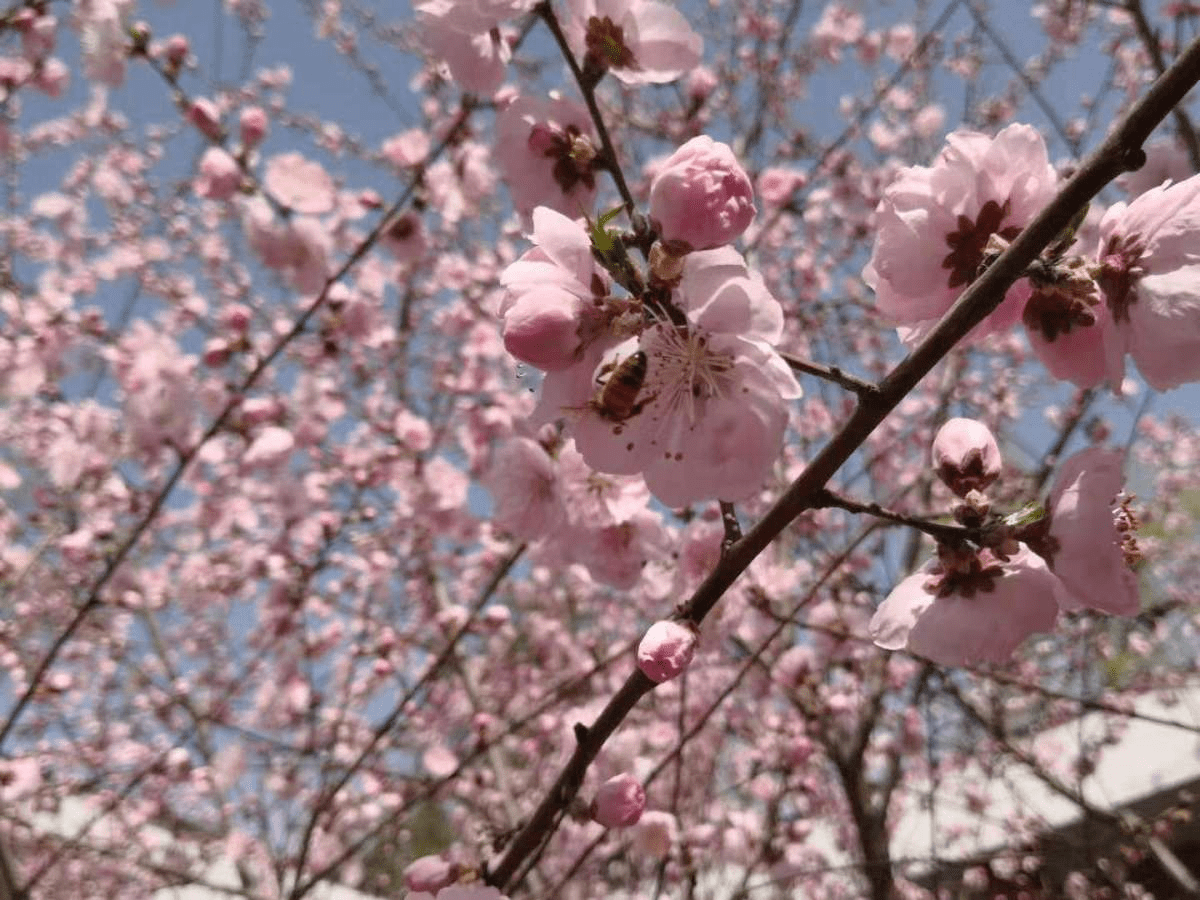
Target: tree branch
1119 153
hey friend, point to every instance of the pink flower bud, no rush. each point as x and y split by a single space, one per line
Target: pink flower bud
702 197
701 82
253 126
619 802
965 455
236 317
542 328
38 34
666 650
176 50
203 113
216 352
429 873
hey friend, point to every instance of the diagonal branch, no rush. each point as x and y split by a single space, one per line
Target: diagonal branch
1120 152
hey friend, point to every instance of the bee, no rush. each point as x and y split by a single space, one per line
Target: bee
617 397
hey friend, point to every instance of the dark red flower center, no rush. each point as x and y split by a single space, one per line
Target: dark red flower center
967 243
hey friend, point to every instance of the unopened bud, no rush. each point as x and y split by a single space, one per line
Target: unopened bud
175 52
253 125
966 456
203 113
620 802
429 873
666 650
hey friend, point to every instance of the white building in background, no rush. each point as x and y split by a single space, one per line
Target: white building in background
1152 767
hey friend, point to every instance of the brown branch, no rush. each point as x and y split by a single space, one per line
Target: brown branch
948 534
1120 152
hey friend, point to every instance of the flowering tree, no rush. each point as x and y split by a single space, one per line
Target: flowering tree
562 450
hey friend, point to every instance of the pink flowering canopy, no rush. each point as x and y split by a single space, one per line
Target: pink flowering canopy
487 449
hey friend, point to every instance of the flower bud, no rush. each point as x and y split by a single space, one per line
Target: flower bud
666 650
175 51
701 82
665 266
702 197
429 873
542 328
253 126
966 456
203 113
619 802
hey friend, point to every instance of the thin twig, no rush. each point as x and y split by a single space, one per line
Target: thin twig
834 374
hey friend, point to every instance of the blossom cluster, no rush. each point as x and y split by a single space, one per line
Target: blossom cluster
978 599
1130 287
672 374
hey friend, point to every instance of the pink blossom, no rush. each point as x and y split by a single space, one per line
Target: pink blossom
966 456
412 431
205 115
404 238
175 51
655 834
714 410
252 126
562 256
270 449
299 184
524 484
615 552
900 41
978 187
1166 160
300 247
546 151
639 41
19 778
776 185
666 650
1149 277
464 34
460 892
38 34
409 148
701 197
219 177
619 802
103 36
157 381
14 72
1080 345
980 613
1086 545
52 77
838 27
701 82
429 873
